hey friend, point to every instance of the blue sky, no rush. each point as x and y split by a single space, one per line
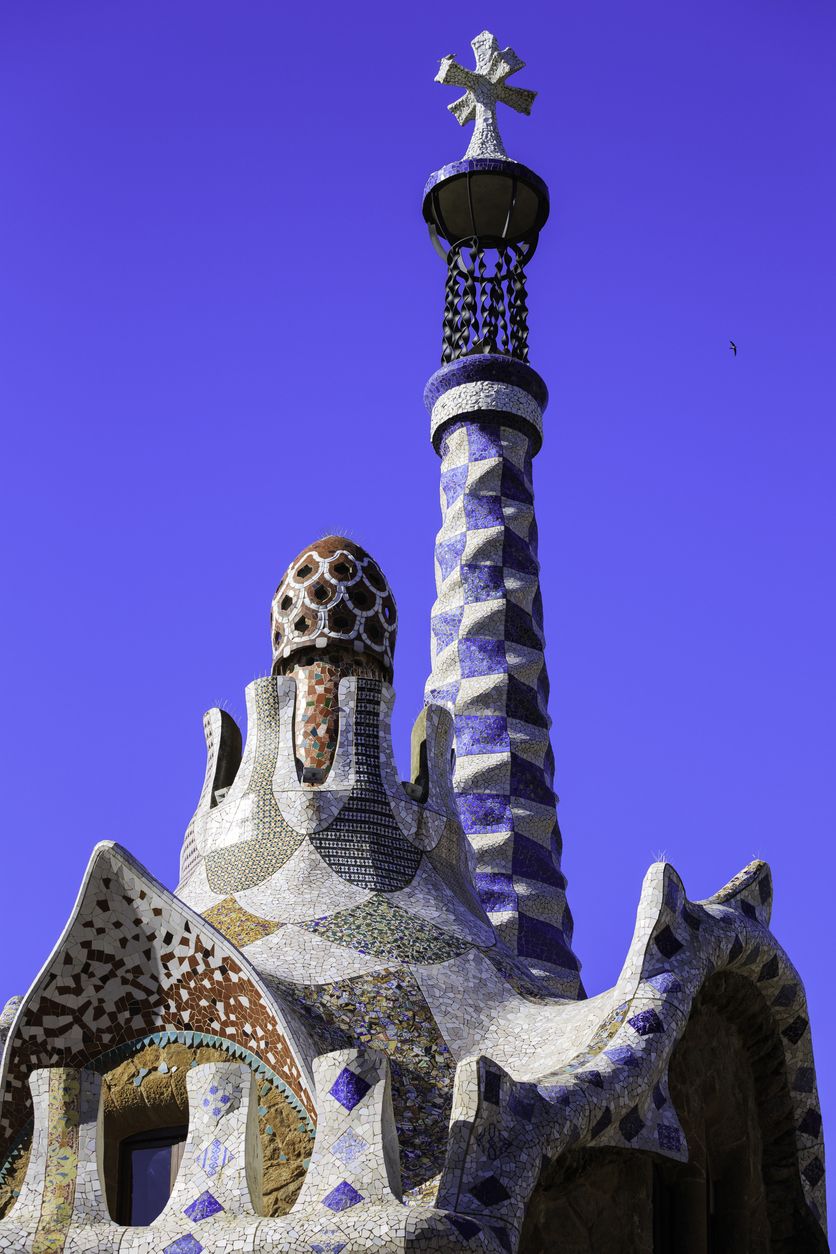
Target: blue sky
218 311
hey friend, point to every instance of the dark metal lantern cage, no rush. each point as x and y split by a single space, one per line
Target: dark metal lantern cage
489 212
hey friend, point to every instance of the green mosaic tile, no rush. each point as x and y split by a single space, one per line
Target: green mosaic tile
388 1011
378 928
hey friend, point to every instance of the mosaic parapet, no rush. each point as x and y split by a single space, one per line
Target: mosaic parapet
488 663
64 1182
133 961
607 1082
532 1081
356 1156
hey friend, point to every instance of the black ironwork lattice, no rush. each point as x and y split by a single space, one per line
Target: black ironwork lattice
485 303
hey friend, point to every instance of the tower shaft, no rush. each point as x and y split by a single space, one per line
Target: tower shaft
488 663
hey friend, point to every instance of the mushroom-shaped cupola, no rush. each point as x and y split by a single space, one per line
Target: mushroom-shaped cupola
334 603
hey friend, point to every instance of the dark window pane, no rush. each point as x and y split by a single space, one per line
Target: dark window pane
148 1165
151 1182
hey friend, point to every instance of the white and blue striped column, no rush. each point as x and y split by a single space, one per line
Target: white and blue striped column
488 666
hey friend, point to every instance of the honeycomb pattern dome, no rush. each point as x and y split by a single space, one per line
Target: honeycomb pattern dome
334 597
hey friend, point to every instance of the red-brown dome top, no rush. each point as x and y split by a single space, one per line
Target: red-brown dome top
334 597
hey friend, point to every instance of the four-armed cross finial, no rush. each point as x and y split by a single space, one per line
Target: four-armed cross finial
485 87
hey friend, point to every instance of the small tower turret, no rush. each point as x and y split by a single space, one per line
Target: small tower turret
333 616
486 407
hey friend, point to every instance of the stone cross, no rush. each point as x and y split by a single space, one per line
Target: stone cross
485 87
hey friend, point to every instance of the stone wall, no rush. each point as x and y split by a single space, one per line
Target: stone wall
592 1202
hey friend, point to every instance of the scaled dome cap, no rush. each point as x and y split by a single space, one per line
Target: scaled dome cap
334 597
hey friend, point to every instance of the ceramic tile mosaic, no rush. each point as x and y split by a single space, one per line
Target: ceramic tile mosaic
334 592
485 87
236 923
317 710
251 838
489 669
514 1078
388 1012
136 960
223 758
379 928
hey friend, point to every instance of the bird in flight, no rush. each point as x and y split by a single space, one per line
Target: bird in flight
733 347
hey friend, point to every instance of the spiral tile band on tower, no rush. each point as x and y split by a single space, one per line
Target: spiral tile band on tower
488 665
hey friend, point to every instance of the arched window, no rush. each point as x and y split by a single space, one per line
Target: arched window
738 1193
148 1166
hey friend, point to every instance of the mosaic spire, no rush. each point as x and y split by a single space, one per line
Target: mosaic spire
486 406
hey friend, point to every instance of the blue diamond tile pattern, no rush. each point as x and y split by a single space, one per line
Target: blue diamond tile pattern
810 1125
796 1029
646 1023
343 1197
213 1157
623 1055
667 943
467 1227
349 1147
631 1125
184 1245
490 1191
489 670
349 1088
203 1207
814 1171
